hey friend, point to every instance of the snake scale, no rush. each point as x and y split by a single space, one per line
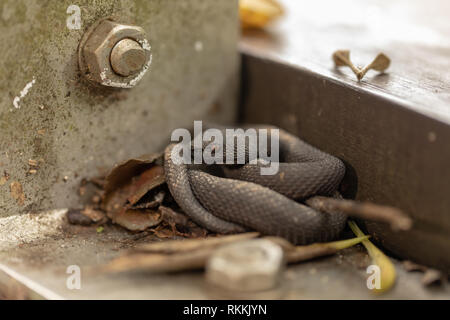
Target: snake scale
239 198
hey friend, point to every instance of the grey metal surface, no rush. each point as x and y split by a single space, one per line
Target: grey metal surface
39 257
73 130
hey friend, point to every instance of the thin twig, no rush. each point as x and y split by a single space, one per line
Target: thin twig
363 210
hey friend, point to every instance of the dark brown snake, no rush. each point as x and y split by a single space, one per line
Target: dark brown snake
240 198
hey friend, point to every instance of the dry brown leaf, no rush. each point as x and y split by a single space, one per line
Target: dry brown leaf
152 203
148 180
172 217
135 220
122 173
130 180
165 232
181 225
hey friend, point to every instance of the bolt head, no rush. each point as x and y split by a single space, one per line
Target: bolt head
251 265
105 60
127 57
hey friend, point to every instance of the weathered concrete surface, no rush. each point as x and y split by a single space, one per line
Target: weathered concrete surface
74 130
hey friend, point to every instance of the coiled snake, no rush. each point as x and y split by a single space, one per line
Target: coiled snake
240 198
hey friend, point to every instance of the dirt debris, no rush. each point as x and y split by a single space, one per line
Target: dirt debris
75 216
430 276
17 192
4 178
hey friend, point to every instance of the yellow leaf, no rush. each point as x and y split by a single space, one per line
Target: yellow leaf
387 268
257 13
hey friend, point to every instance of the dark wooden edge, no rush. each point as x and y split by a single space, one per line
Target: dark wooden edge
394 155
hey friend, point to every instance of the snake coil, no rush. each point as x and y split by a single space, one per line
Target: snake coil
238 198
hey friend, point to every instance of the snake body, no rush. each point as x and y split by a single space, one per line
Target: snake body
240 198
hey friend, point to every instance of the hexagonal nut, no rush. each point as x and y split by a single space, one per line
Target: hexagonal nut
250 265
95 49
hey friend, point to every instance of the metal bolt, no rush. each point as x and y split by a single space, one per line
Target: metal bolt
127 57
246 265
113 54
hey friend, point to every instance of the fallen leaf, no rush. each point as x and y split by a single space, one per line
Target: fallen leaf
172 217
121 173
148 180
155 201
137 220
387 268
130 180
258 13
179 225
164 232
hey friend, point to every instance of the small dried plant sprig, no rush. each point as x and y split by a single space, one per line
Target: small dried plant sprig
342 58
